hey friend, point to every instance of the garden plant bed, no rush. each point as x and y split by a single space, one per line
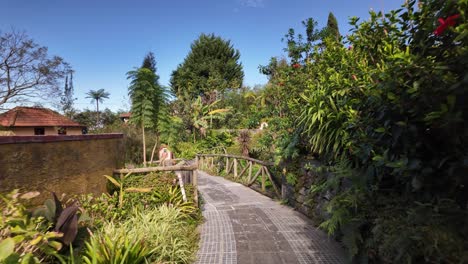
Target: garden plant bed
143 219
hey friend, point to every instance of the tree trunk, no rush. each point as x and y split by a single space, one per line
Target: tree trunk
144 143
154 148
97 113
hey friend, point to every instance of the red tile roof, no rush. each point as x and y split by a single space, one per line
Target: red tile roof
34 116
125 114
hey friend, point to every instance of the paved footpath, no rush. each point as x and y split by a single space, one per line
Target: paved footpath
243 226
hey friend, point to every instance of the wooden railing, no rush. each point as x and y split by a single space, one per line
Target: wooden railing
178 169
233 164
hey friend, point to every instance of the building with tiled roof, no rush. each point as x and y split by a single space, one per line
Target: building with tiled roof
125 117
29 121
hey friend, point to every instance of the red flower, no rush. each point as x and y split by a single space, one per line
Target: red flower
350 47
354 77
444 24
296 65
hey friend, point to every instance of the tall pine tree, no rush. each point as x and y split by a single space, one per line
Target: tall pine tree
332 27
67 98
149 62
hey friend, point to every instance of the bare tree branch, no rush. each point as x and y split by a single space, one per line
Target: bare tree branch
27 71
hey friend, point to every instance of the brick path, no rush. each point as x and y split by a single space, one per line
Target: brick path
243 226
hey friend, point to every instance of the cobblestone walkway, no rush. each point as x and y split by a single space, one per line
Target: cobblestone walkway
243 226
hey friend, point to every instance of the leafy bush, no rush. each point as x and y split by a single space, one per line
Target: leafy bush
161 236
25 239
113 245
388 113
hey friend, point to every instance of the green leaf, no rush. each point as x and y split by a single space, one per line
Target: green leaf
7 248
113 180
380 129
377 158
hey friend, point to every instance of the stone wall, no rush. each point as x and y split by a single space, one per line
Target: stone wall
299 195
63 164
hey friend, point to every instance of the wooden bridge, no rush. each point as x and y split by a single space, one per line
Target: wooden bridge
243 226
243 169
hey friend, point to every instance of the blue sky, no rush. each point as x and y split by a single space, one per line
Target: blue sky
103 39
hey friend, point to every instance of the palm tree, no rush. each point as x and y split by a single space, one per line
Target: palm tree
97 96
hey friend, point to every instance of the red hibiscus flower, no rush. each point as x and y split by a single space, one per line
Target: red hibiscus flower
445 23
296 65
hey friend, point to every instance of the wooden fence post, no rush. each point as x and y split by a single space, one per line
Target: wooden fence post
263 179
250 171
235 167
195 186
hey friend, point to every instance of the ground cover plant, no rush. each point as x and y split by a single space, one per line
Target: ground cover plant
148 223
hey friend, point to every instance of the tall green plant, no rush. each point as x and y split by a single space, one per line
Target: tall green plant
148 99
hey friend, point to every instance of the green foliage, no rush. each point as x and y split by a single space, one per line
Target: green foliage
67 99
99 209
332 27
204 114
88 119
212 64
114 245
161 236
145 193
97 96
187 150
148 101
63 220
145 94
388 114
25 239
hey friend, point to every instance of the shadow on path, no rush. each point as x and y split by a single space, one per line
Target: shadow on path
243 226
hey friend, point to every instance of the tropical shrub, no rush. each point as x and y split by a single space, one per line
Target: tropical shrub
113 245
23 238
388 114
161 236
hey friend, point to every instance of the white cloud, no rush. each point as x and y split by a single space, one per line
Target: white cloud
252 3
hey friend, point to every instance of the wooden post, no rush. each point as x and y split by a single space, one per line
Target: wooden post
227 165
255 177
243 170
212 162
235 167
195 187
272 182
250 171
181 184
263 179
